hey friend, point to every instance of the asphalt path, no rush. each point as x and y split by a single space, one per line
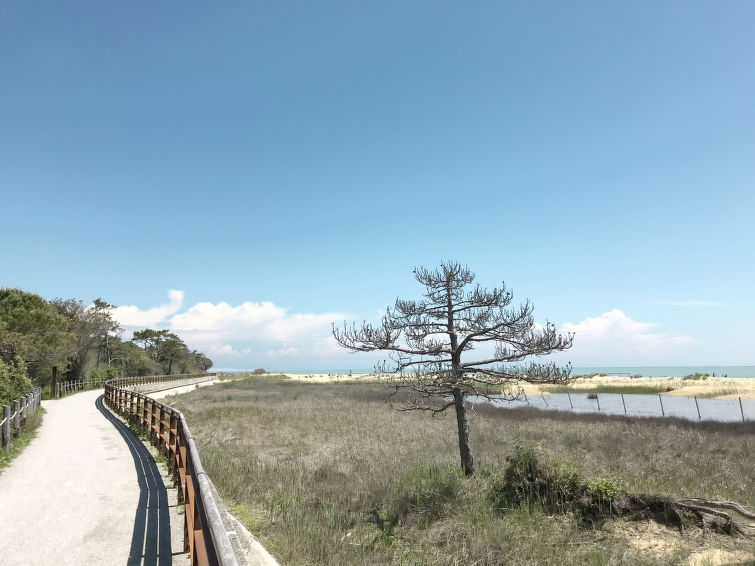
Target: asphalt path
86 491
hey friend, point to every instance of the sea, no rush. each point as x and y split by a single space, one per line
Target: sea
619 371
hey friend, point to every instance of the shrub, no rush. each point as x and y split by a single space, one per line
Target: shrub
136 426
527 480
554 487
696 376
259 371
14 381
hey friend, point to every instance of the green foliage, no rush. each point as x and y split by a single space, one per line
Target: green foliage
136 426
259 371
696 376
526 479
111 372
14 381
33 330
169 353
95 374
552 487
606 489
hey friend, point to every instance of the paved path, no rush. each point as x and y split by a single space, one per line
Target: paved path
84 492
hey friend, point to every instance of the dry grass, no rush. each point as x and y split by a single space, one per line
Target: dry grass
328 474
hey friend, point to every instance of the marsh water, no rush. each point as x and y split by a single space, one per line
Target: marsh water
636 405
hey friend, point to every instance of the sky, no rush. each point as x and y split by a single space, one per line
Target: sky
247 173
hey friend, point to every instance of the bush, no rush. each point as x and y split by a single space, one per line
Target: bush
696 376
137 427
95 374
527 480
259 371
553 487
14 381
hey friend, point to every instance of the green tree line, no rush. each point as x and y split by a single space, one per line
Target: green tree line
82 341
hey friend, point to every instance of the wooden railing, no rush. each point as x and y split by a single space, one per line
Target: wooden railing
11 423
205 536
65 387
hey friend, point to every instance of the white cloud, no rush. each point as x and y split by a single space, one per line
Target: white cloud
613 338
243 335
134 316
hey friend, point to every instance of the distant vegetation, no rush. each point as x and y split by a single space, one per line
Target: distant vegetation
697 375
82 341
608 388
328 474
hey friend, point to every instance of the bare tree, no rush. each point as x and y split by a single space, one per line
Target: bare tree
428 338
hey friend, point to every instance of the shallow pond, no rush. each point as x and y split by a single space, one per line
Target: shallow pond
637 405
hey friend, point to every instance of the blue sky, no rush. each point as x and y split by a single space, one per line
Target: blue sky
284 165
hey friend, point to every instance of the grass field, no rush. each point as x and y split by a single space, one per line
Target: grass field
626 389
329 474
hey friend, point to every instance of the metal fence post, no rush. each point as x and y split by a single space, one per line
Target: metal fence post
741 410
663 413
6 427
698 409
623 403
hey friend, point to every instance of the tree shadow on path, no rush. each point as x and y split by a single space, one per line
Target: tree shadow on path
151 538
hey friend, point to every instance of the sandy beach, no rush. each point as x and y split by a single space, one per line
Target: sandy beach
711 387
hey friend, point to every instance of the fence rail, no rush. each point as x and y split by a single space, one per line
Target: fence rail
66 387
205 536
11 423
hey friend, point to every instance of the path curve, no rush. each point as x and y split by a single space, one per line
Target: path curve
85 491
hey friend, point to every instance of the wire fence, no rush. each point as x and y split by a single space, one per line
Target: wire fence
690 408
16 414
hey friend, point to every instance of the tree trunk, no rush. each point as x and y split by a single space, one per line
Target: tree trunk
467 461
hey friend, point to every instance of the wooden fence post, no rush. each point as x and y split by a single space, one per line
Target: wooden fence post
6 427
54 383
22 401
16 417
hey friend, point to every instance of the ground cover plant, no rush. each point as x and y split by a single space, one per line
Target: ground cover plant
329 474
